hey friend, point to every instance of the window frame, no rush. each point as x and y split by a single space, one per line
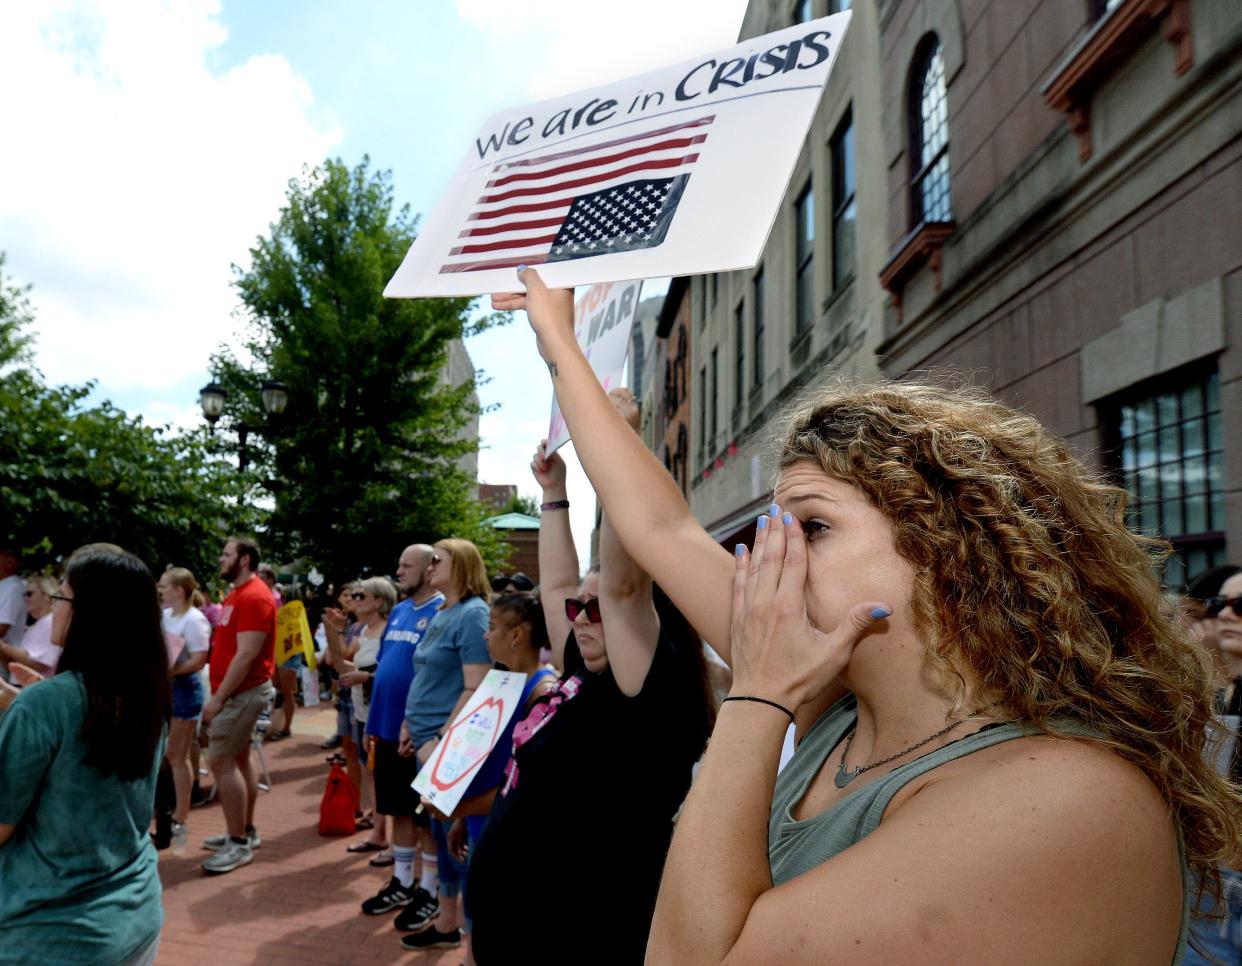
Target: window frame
930 47
758 331
840 200
804 261
739 348
1174 385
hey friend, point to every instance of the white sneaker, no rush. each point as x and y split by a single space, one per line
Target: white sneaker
180 838
232 856
216 842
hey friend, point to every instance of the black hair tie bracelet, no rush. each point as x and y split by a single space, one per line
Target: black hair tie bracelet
772 704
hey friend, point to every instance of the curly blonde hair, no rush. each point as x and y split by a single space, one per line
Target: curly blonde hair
1028 587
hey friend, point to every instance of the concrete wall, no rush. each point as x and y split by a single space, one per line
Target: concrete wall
730 474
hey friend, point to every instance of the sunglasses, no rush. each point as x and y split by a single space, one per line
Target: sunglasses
436 560
356 596
60 597
574 607
1214 605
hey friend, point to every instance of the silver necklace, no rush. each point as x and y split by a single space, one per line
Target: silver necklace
844 775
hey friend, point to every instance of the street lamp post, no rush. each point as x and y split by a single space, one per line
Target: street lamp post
212 397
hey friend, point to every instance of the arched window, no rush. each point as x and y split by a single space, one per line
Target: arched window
929 137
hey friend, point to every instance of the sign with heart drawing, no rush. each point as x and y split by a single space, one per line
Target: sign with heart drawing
469 740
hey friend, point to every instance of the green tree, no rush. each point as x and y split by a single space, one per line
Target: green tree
364 460
73 473
518 503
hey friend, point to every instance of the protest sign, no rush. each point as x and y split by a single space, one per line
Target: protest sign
293 635
675 172
603 319
469 740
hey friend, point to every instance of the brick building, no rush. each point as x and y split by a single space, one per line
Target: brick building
1065 223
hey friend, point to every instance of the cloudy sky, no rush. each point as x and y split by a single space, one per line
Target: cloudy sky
149 143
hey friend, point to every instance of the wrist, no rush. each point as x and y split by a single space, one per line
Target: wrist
774 701
554 493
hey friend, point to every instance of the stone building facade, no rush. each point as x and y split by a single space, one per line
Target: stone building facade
1064 226
814 307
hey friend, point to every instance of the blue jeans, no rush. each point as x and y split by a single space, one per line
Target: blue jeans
1220 940
452 872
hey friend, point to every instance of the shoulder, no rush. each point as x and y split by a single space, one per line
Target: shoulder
48 699
1052 805
1038 843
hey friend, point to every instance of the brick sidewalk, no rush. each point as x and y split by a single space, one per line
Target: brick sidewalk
297 902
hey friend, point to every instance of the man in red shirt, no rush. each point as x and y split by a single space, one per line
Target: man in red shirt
242 657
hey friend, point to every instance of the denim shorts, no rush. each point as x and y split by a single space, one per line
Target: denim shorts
187 696
344 712
295 662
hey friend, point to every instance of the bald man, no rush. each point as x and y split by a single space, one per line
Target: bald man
394 772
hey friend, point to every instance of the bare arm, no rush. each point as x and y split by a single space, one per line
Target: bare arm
11 652
625 592
641 497
558 557
192 664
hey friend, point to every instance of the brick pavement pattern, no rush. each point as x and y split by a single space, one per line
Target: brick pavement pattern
297 902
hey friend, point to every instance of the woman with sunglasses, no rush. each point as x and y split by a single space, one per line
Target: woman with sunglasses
1000 728
371 600
79 754
36 650
1219 940
601 763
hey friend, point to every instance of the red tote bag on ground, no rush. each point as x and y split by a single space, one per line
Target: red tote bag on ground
339 804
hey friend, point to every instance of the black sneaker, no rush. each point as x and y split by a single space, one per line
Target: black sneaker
392 896
420 913
431 939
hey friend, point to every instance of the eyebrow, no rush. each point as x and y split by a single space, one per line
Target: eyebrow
804 497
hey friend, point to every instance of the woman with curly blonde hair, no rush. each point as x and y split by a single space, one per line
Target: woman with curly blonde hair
999 728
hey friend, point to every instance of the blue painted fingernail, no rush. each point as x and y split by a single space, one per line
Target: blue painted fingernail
740 550
762 523
787 518
774 510
879 613
521 268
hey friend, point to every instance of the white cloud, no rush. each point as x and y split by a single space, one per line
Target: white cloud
135 175
580 43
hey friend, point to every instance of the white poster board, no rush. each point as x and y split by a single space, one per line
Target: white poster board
603 320
678 171
469 740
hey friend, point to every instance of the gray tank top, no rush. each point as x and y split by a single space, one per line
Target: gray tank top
795 847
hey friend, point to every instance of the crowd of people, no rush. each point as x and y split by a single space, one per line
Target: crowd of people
960 721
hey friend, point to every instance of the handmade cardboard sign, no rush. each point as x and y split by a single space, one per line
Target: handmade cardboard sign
675 172
469 740
293 635
603 319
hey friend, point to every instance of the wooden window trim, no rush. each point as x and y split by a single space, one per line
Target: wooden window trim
923 246
1114 37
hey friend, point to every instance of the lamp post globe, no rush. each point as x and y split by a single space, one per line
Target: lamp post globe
275 397
211 398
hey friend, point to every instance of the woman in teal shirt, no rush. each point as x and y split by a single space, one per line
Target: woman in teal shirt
79 754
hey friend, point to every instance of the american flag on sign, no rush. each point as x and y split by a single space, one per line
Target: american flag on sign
596 200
